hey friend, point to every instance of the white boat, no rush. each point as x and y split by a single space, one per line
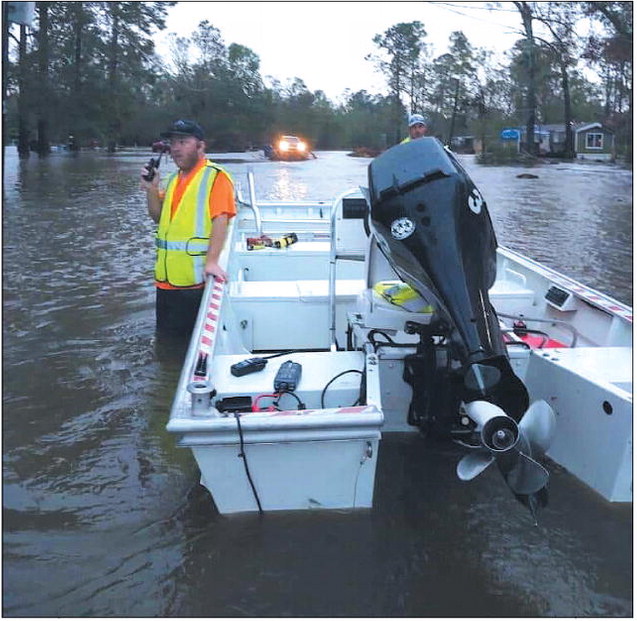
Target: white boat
315 446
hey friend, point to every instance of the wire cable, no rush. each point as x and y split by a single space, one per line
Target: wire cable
255 403
544 335
282 353
242 455
389 343
288 392
335 378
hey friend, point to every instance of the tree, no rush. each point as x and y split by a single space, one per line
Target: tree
612 53
559 18
128 49
44 146
454 83
244 67
526 12
24 149
403 46
492 101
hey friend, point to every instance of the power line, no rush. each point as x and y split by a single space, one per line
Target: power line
454 9
473 6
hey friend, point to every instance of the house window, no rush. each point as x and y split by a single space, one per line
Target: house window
594 141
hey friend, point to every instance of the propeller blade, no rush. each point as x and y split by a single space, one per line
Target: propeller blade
527 476
472 464
538 425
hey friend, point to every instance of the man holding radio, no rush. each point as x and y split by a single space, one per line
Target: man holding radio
193 214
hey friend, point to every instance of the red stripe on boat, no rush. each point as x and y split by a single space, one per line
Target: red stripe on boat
540 342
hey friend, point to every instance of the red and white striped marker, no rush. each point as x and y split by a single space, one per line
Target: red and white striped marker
210 327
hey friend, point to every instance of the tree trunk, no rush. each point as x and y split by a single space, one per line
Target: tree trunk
453 114
5 63
44 147
531 99
78 26
398 119
569 150
23 100
112 81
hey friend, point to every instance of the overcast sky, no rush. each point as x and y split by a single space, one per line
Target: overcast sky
325 43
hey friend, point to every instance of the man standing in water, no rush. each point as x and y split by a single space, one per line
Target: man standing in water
417 128
193 215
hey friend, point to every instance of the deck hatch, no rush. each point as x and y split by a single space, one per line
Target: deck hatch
560 298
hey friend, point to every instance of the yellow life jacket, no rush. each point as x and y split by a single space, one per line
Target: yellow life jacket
182 242
404 140
401 294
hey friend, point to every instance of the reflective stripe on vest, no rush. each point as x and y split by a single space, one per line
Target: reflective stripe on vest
182 241
192 246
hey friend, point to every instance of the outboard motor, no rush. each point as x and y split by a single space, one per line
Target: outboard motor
432 224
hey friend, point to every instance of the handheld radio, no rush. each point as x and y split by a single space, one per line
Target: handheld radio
153 164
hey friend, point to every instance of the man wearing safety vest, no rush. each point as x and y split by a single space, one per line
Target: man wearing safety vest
193 215
417 128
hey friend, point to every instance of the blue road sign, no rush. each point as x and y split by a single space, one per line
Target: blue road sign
510 134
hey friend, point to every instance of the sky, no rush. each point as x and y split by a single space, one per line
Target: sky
325 43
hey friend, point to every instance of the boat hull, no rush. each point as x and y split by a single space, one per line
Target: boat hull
315 459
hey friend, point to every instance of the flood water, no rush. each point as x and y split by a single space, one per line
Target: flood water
103 517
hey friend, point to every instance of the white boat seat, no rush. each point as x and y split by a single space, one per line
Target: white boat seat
301 247
509 288
509 296
301 290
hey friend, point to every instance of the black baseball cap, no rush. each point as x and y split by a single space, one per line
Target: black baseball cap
184 128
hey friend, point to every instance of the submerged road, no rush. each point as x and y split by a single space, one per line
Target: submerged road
103 517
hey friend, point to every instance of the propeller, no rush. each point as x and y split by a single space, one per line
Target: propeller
513 447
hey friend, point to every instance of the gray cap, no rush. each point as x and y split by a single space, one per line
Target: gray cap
414 119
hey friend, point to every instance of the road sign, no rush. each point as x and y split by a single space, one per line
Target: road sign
510 134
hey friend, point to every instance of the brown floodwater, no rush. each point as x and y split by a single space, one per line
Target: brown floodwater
104 517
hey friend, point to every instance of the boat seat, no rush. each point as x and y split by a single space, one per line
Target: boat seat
300 247
300 290
290 314
303 260
509 296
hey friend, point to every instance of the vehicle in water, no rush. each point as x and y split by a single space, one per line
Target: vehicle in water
394 310
288 148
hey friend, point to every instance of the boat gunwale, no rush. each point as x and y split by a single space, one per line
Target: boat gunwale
594 297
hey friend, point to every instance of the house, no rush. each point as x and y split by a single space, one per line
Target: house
593 141
590 140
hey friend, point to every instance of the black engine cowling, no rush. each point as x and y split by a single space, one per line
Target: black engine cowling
433 226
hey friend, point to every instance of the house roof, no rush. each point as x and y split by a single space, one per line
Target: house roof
543 130
591 126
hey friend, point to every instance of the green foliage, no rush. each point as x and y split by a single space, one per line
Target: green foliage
96 75
502 154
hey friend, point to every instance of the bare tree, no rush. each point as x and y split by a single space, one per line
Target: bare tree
526 11
560 18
